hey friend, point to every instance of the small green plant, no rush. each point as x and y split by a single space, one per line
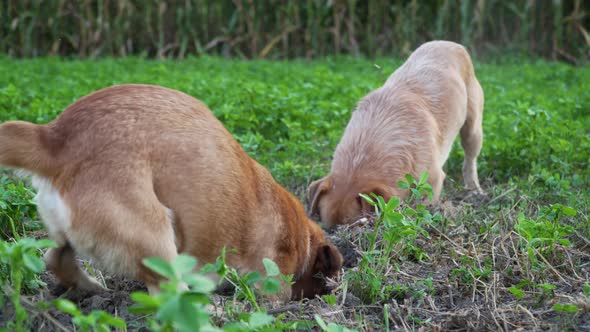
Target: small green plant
330 327
20 265
541 235
173 307
516 291
330 299
396 229
245 285
181 304
565 308
418 189
97 320
546 289
16 208
471 270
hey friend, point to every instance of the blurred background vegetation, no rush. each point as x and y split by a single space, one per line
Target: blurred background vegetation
554 29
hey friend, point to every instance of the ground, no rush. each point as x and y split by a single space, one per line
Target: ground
517 258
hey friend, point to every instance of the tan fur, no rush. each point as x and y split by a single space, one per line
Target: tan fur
405 127
134 171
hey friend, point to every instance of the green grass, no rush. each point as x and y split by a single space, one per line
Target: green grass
289 116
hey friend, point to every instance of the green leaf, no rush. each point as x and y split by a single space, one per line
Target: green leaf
33 263
329 299
187 315
252 277
208 268
547 287
271 285
568 211
160 266
423 178
586 289
199 283
145 303
183 264
320 322
67 306
260 319
392 204
368 199
169 309
517 292
272 269
567 308
409 178
116 322
45 243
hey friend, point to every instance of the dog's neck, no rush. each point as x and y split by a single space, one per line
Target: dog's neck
297 236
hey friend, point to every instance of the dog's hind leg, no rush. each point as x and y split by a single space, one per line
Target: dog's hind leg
472 135
120 227
56 215
62 262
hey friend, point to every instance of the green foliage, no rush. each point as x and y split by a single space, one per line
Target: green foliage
541 235
330 327
565 308
290 115
329 299
471 270
96 320
417 189
174 308
17 210
246 285
20 265
516 291
396 229
181 304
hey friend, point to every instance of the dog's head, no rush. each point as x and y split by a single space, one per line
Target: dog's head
337 203
325 261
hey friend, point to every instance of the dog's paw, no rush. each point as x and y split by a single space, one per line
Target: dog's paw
89 285
476 196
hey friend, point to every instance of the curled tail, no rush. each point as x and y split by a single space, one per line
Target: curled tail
24 145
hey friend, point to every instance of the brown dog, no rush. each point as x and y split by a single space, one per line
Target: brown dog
134 171
405 127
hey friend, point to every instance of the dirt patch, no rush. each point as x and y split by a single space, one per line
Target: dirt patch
116 301
464 283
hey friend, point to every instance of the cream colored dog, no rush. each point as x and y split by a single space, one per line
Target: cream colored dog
405 127
134 171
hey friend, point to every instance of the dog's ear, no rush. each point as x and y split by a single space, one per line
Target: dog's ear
328 260
378 189
314 193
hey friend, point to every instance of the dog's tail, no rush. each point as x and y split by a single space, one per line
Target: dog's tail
24 145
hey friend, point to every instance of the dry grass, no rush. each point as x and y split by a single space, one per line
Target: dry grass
444 292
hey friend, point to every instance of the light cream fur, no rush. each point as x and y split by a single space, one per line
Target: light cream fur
407 126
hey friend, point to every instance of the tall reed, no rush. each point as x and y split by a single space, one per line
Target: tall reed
558 29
